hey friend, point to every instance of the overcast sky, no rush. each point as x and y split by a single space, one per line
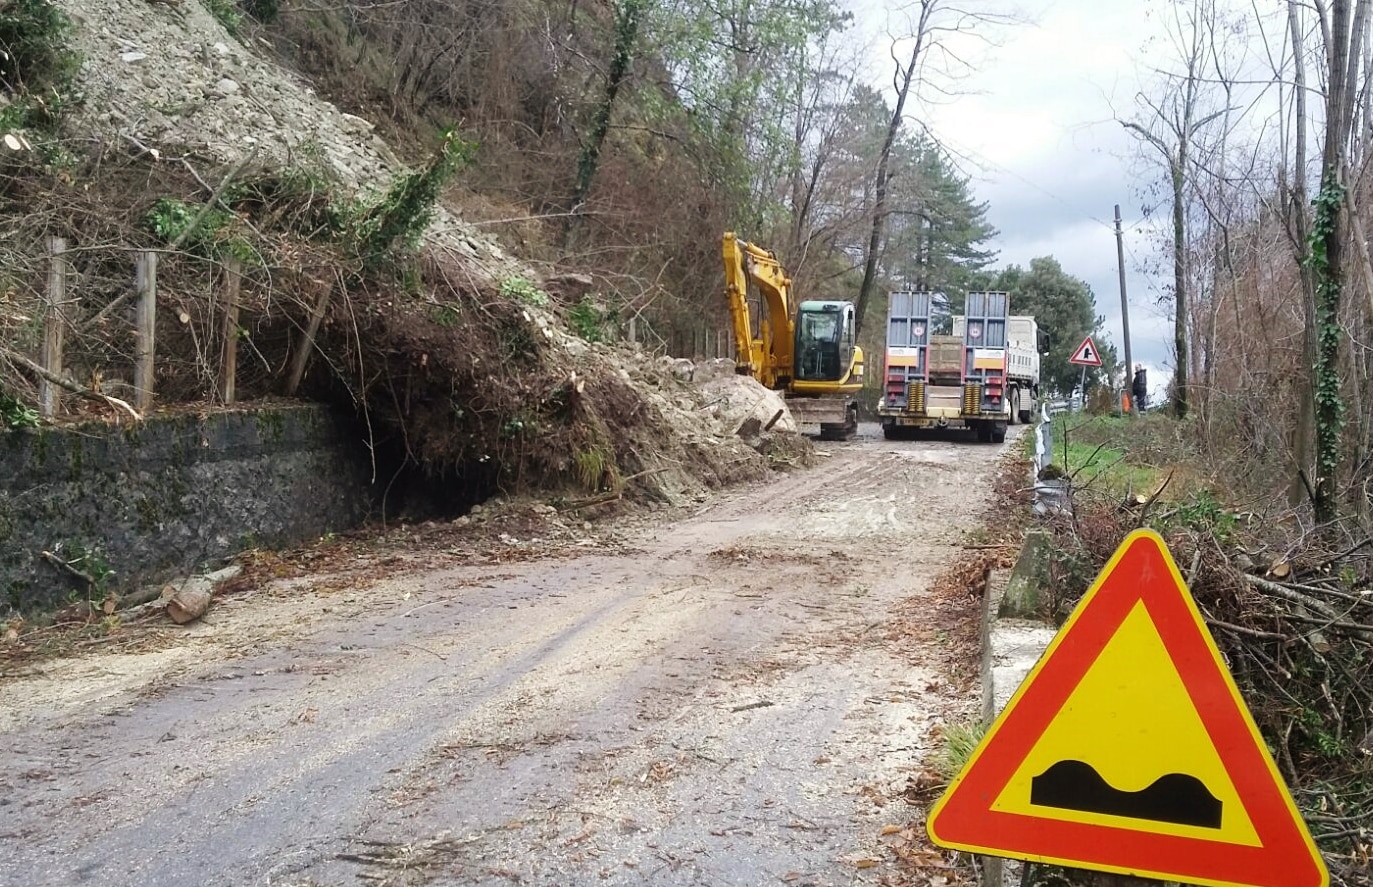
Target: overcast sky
1034 128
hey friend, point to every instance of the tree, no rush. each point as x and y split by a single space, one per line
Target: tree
627 13
928 22
1170 128
902 80
1344 26
1065 310
938 229
736 67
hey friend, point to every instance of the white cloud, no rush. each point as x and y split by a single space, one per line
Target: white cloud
1034 127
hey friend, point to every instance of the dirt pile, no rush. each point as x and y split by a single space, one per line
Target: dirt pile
461 368
168 80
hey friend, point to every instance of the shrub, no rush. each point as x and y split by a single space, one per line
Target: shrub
35 57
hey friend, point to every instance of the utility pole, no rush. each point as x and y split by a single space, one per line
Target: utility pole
1125 311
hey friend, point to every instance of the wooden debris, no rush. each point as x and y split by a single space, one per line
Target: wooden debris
188 605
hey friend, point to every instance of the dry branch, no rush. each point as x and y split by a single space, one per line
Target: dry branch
68 384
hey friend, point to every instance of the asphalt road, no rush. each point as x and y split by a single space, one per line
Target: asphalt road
719 701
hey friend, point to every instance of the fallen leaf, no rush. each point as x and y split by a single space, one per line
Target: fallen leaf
865 863
890 830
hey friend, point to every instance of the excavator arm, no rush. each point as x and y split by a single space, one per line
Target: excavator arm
768 356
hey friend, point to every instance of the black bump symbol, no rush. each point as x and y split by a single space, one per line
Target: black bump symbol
1176 797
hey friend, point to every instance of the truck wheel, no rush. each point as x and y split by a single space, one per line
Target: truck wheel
984 435
892 432
1026 417
998 436
1015 406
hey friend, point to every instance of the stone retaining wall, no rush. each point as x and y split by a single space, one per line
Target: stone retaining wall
168 495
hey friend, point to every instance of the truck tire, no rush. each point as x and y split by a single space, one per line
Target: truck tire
998 436
1026 416
984 434
1015 406
892 432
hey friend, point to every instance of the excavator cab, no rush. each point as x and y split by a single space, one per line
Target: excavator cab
825 341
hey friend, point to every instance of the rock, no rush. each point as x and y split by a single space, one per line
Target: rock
568 287
131 57
736 399
682 369
716 368
227 87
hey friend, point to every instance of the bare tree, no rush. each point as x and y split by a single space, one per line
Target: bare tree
932 27
1170 127
1342 26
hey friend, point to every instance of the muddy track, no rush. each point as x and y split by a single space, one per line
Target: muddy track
721 704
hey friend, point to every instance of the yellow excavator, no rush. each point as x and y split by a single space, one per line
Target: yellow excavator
807 350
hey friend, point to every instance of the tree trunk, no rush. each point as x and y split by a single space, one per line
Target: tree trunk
626 33
1327 256
1300 232
1179 182
905 77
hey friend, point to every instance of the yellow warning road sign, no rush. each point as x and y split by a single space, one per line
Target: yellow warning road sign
1129 749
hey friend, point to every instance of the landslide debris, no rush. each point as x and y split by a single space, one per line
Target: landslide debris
184 139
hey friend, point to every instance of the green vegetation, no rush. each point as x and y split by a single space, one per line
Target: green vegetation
226 12
212 233
397 221
596 469
14 414
36 67
521 290
1104 467
960 740
446 315
590 321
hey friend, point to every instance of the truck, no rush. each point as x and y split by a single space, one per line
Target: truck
982 376
808 350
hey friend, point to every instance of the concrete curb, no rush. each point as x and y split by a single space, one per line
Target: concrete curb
1011 645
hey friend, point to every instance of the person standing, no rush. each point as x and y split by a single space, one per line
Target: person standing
1139 389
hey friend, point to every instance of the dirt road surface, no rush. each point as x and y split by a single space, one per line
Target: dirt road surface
716 699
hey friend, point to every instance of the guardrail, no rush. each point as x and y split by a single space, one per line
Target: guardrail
1044 435
1051 494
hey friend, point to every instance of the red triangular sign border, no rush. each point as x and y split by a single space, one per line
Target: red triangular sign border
1141 570
1077 357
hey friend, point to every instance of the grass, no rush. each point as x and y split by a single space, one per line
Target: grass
959 742
1105 453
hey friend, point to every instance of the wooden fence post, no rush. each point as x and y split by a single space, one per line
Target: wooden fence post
307 343
145 330
228 365
54 326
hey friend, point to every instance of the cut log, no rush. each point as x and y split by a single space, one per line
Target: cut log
188 605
